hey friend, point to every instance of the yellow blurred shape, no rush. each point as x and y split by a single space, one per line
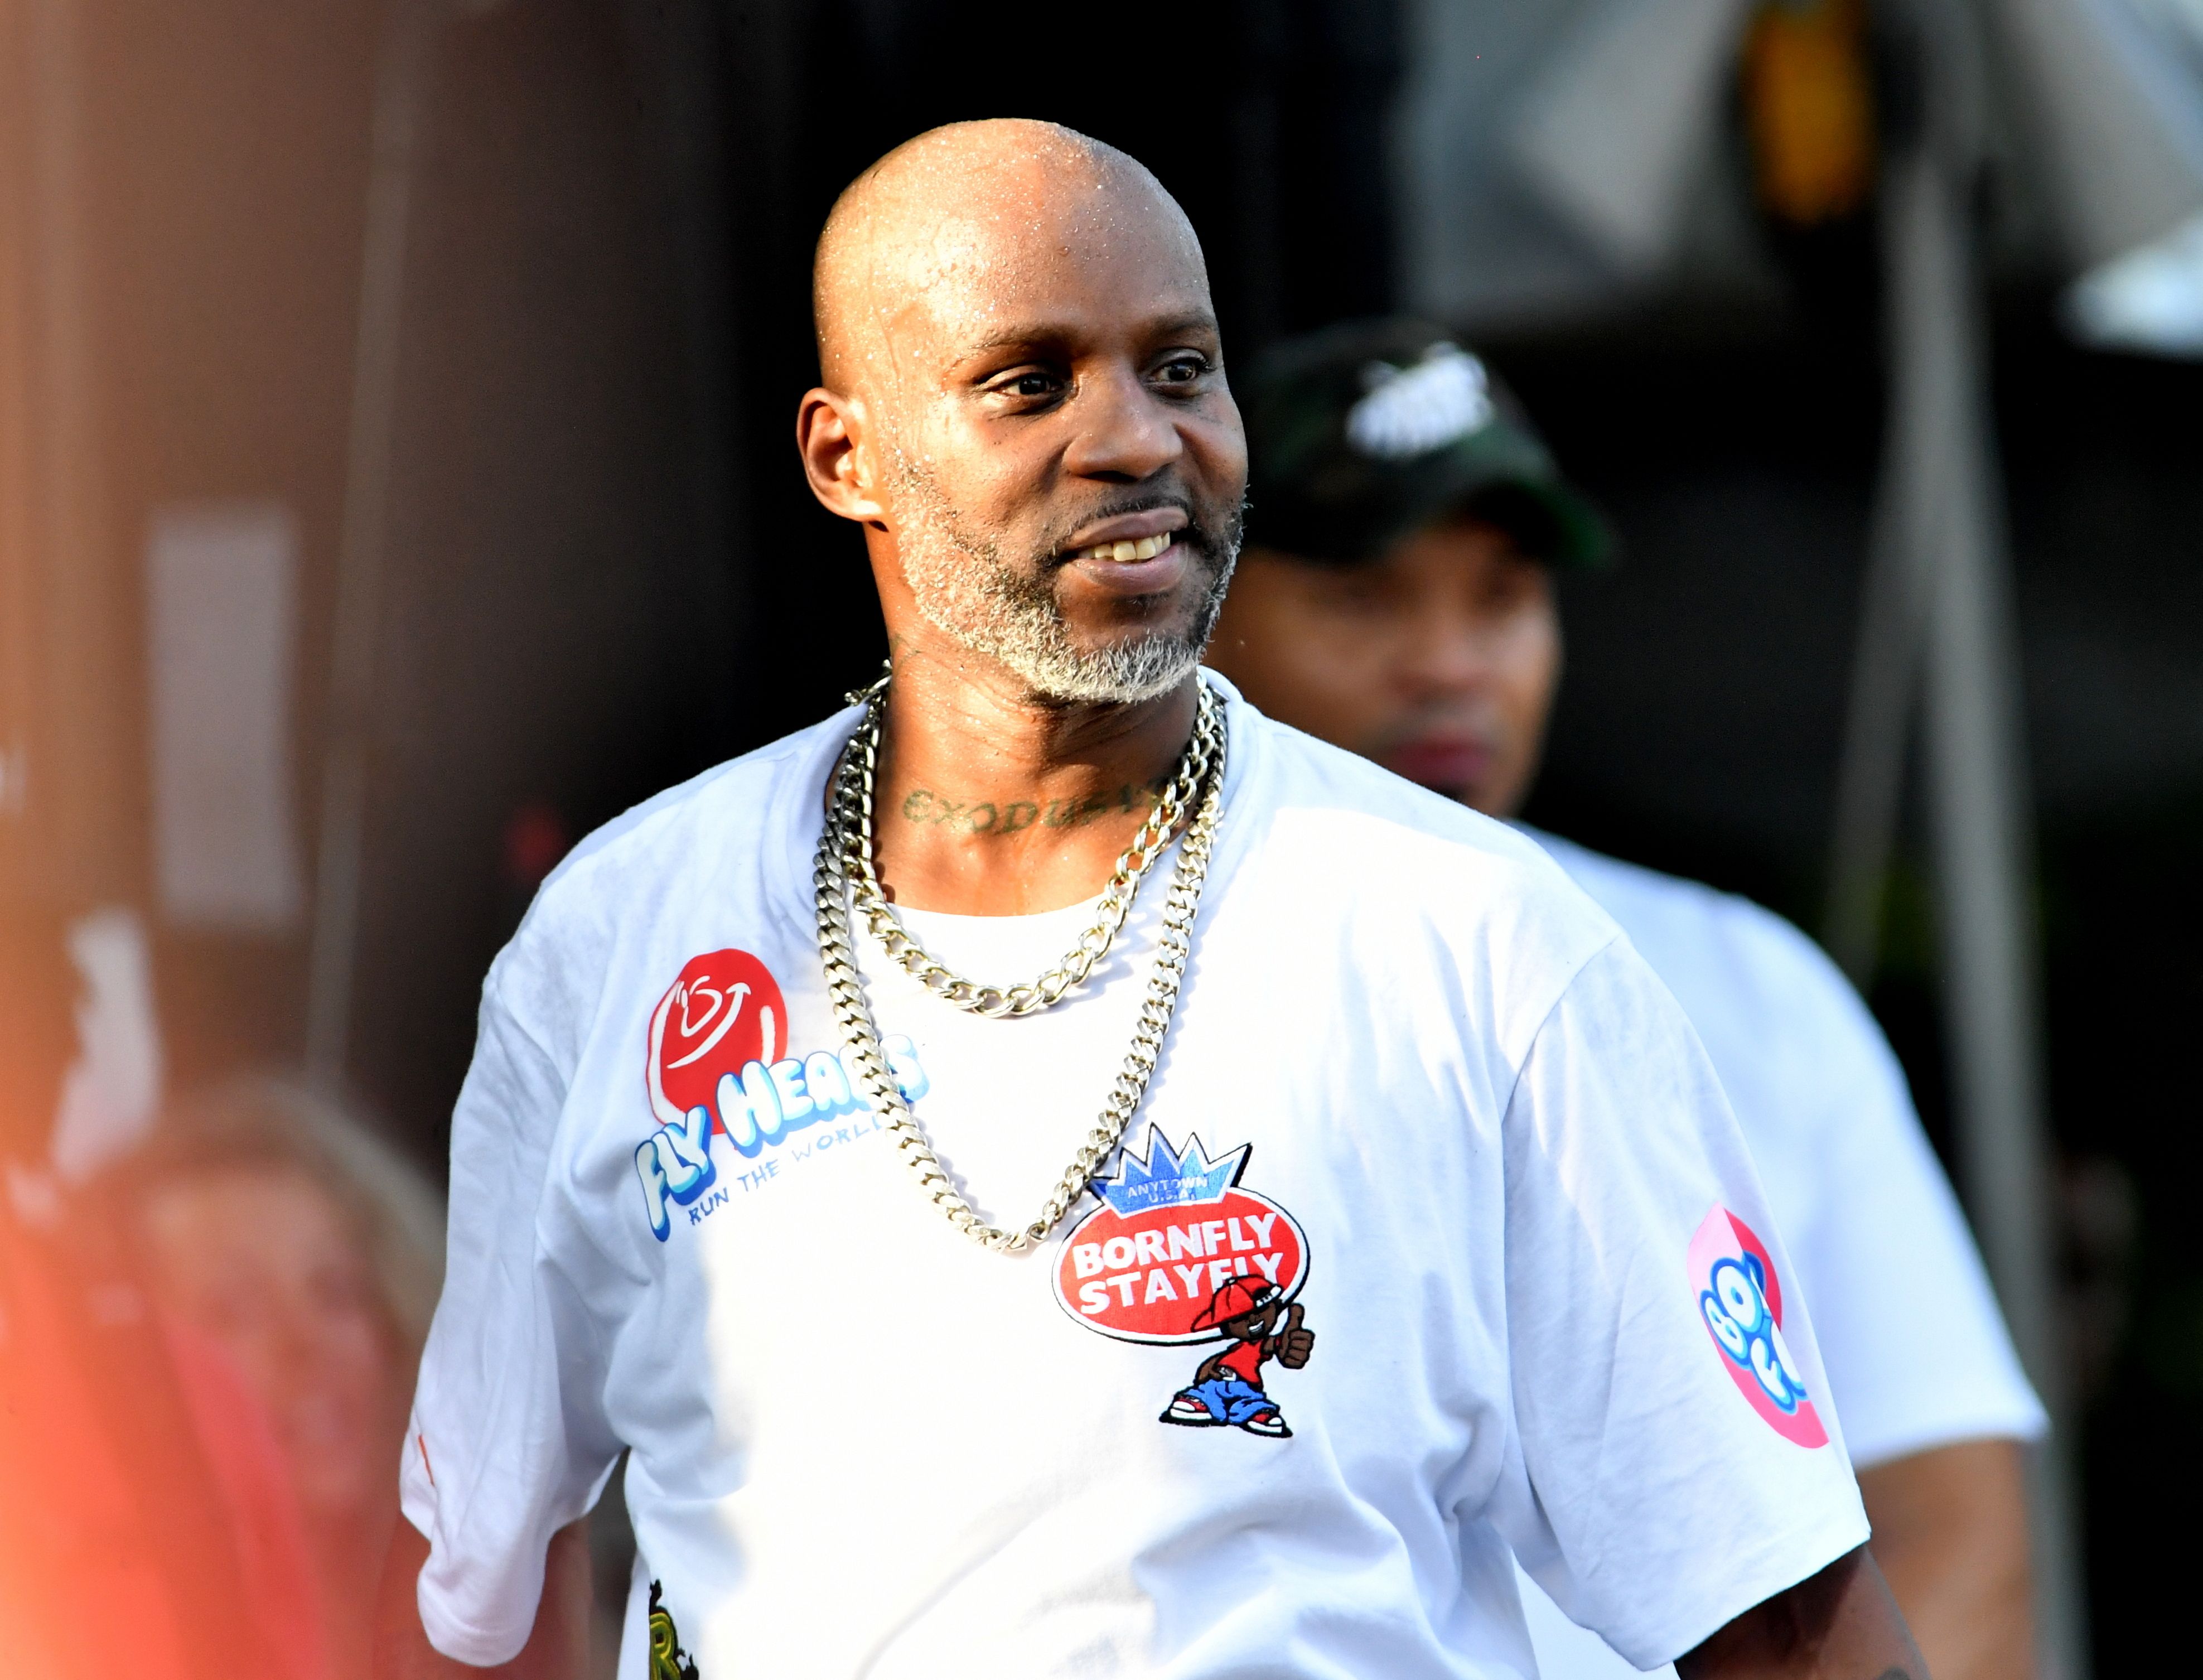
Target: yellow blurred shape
1808 109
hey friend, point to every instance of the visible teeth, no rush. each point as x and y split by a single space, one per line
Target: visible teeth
1146 548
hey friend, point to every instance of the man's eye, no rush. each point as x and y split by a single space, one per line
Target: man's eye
1037 383
1182 369
1516 584
1357 592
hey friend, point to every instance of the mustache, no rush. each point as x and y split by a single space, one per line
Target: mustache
1215 536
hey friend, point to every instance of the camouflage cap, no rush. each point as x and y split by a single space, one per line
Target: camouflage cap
1364 434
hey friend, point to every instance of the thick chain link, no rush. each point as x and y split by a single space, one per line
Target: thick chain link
1070 972
845 840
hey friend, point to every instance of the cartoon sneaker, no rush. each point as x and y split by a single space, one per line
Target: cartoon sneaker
1266 1424
1188 1410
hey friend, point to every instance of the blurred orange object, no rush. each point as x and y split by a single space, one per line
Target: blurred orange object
1808 109
147 1526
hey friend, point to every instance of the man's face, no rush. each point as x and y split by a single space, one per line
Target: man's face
1059 461
1439 660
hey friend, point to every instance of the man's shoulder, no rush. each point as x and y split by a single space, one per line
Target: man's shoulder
1664 911
1755 986
1315 781
724 836
738 801
1399 854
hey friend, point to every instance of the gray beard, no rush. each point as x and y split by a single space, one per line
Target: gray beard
964 585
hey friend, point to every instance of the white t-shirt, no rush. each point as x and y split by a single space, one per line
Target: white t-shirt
1916 1353
1419 1100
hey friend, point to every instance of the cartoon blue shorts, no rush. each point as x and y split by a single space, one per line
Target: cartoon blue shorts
1227 1400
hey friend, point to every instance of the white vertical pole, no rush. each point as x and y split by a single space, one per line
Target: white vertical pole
1885 684
1940 619
400 94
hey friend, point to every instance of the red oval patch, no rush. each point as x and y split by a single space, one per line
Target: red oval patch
1149 1275
725 1012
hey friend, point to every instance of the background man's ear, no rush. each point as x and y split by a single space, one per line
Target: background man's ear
830 434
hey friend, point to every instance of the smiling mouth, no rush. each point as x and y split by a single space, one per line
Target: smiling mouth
1139 548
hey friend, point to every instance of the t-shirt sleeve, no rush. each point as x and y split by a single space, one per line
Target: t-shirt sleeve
1917 1350
1680 1461
508 1441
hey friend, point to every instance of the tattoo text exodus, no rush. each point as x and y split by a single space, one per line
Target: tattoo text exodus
985 816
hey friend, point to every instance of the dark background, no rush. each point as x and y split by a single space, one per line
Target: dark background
605 573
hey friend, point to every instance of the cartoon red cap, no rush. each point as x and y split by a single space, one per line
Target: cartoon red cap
1240 1295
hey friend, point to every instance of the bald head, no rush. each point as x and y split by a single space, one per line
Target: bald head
1024 405
958 216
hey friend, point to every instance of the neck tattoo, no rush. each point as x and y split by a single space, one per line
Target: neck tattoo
924 808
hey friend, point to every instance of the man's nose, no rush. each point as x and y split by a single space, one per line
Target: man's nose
1447 652
1126 434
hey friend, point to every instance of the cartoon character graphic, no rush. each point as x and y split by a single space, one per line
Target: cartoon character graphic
1180 1252
667 1661
1228 1388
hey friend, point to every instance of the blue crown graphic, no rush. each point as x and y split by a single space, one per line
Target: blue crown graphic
1169 1178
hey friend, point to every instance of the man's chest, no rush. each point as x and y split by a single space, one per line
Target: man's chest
722 1071
1291 1147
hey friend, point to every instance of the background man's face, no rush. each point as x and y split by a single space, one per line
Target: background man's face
1439 660
1057 382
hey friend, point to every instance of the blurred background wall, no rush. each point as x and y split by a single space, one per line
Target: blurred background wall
395 483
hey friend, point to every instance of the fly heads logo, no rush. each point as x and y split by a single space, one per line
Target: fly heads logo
723 1013
721 1076
1174 1233
1739 1301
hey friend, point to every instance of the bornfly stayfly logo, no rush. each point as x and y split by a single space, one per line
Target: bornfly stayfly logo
1169 1179
1180 1252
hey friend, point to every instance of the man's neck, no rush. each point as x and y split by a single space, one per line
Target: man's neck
992 801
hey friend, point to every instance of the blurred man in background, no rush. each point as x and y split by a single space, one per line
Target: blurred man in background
1396 597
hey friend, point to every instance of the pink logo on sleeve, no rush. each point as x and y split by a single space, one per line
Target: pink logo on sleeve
1740 1304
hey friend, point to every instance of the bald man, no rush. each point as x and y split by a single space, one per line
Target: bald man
1048 1172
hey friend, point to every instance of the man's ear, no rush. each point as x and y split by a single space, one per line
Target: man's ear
830 435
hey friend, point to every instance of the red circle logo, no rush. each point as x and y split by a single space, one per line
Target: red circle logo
725 1012
1173 1232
